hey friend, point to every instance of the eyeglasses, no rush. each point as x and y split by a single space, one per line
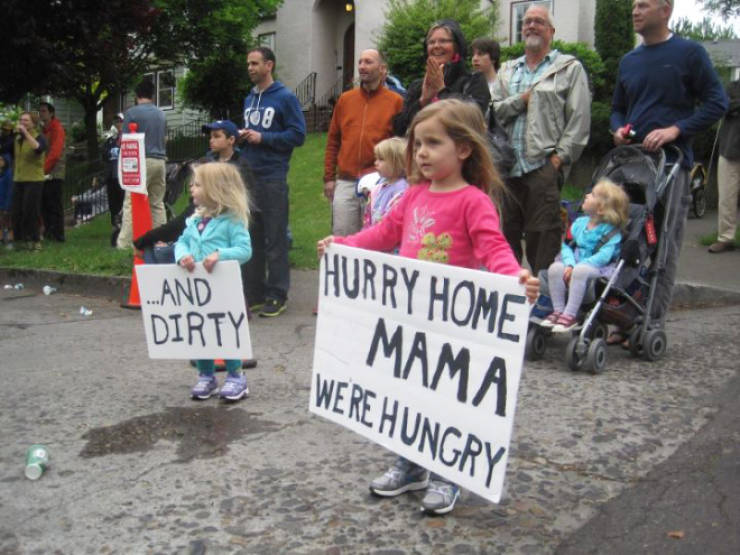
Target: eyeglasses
535 21
439 42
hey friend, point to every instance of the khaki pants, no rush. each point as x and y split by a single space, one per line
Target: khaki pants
728 184
155 186
346 209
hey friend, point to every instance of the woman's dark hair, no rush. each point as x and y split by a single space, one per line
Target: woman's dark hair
452 27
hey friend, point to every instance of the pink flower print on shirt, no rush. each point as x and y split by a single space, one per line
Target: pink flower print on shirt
423 219
435 247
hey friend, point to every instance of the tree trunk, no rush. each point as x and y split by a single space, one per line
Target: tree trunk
91 128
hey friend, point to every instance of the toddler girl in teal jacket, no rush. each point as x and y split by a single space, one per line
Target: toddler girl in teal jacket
216 231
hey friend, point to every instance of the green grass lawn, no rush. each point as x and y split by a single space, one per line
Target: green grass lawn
310 214
86 251
707 240
87 248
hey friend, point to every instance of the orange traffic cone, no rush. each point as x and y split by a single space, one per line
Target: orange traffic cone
142 222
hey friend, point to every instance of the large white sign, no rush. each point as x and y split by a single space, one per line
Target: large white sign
132 163
194 315
423 358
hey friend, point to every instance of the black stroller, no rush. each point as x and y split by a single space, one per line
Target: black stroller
627 297
177 176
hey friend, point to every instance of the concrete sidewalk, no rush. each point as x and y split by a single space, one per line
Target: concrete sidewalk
717 274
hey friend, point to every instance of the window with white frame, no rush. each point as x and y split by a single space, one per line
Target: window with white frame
164 90
518 9
268 40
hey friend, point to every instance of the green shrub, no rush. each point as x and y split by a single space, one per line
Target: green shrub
407 22
79 135
613 38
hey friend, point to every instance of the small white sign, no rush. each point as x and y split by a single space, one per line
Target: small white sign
194 315
132 163
424 359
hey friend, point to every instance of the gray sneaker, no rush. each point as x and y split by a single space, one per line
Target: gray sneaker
440 497
234 388
401 477
206 386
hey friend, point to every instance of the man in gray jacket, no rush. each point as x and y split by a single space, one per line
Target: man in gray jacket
543 101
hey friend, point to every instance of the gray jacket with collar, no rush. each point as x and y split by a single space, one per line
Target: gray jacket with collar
559 110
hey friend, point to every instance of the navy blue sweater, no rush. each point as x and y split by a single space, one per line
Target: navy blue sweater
277 115
660 85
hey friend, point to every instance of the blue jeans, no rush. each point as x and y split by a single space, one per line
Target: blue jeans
160 255
679 209
268 271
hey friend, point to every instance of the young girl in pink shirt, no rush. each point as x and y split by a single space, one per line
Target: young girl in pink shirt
447 215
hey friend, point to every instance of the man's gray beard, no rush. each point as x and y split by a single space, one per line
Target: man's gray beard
534 43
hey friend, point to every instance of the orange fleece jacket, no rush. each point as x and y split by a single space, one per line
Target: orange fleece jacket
54 133
360 121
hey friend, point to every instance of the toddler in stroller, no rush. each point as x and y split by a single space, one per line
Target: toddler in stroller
626 298
590 253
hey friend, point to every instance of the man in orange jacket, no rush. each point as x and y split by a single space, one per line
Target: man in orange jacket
52 207
362 118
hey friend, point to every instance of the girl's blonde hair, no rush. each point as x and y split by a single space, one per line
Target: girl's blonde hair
464 123
613 202
223 191
393 151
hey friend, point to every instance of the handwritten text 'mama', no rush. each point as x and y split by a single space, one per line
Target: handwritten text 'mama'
458 365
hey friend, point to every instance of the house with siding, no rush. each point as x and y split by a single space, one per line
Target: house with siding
320 39
725 53
316 43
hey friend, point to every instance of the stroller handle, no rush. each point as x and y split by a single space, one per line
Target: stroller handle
663 150
662 156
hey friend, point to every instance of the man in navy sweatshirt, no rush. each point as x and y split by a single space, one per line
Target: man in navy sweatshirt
658 87
273 126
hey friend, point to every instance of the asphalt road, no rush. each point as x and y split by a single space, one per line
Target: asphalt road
642 459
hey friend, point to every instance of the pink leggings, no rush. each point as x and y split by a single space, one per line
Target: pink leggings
576 287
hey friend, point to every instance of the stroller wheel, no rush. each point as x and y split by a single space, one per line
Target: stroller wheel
596 356
655 345
698 198
636 342
575 353
535 346
599 331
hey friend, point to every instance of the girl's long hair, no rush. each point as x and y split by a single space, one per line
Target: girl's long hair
223 191
613 201
464 123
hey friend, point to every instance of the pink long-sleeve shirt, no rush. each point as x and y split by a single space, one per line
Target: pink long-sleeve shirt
460 228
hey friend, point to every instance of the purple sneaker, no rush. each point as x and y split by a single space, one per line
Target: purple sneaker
206 386
234 388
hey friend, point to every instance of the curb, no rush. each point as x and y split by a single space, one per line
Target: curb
686 295
112 287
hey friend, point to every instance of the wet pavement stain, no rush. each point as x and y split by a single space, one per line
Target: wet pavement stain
202 432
